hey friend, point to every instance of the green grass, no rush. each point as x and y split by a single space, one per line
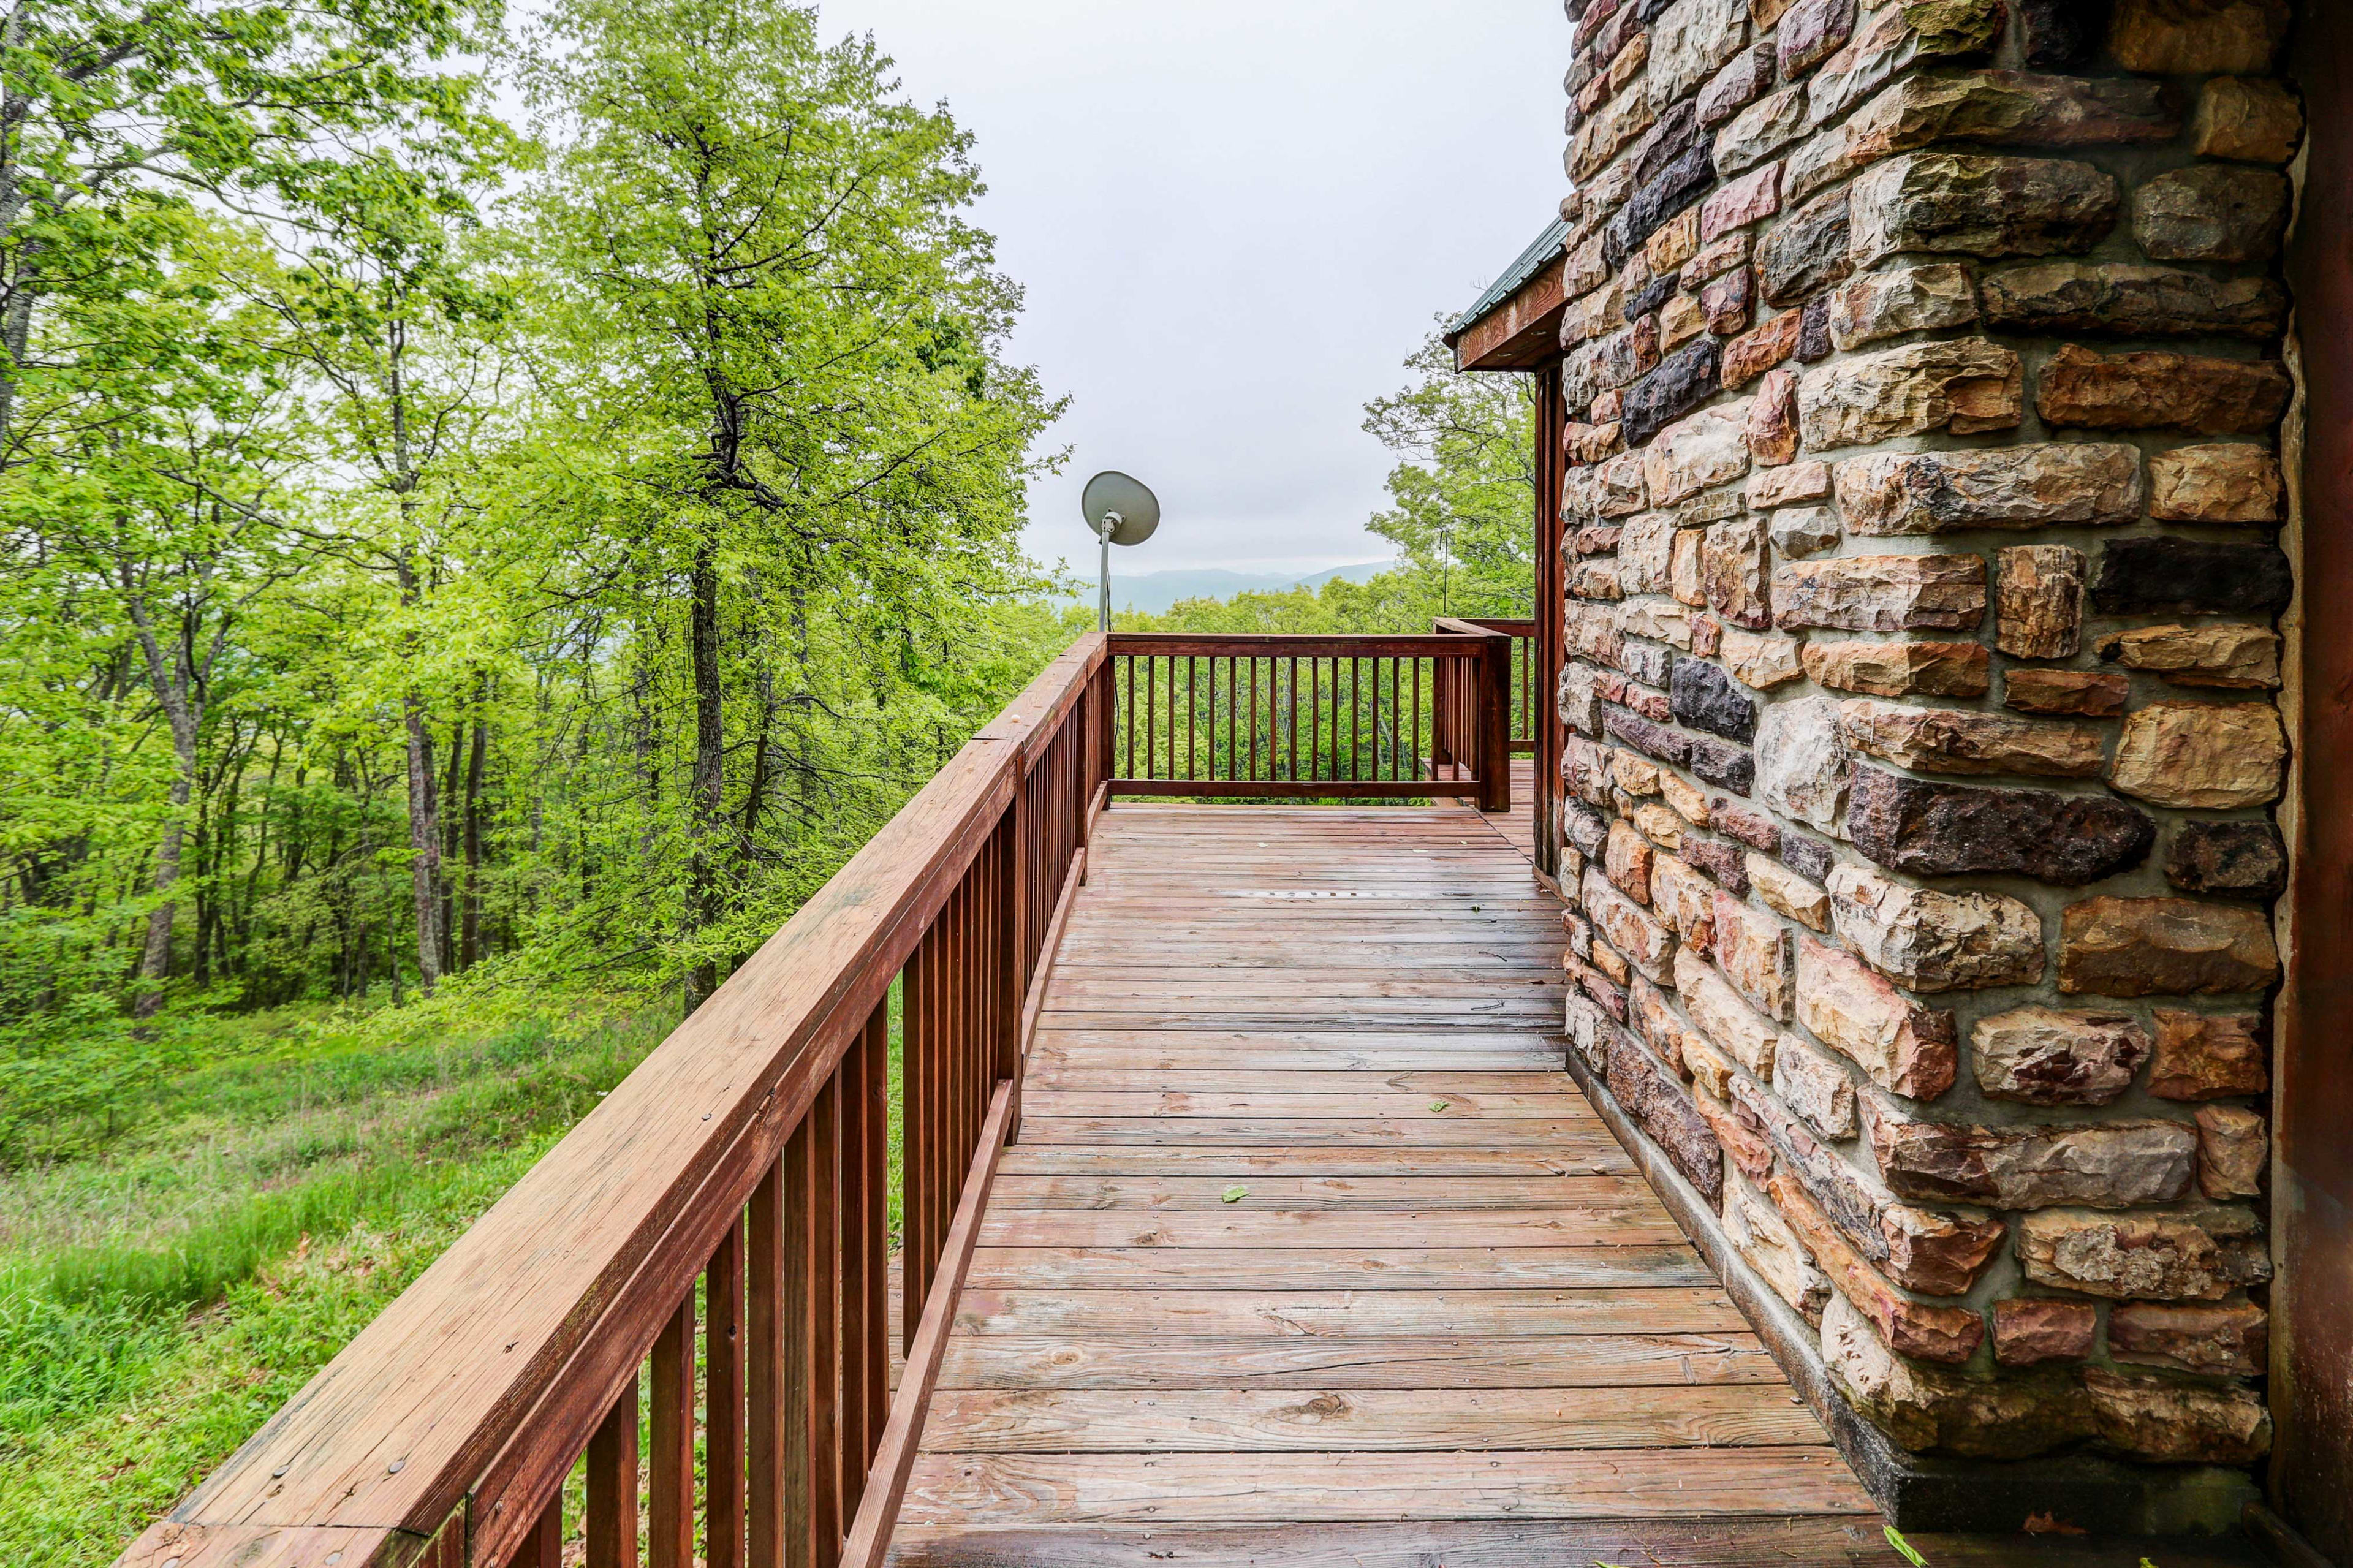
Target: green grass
160 1297
165 1291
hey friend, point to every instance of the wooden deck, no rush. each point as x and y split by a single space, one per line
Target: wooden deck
1306 1227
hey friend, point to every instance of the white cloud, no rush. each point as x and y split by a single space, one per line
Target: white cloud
1234 219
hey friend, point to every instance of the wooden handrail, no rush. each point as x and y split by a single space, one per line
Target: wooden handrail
441 1433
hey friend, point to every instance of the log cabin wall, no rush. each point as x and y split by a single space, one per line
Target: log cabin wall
1921 406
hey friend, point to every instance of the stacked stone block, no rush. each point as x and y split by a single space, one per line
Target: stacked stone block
1923 387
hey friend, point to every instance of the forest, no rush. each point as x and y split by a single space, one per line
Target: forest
493 511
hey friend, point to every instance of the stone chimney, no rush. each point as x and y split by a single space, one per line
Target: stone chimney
1923 387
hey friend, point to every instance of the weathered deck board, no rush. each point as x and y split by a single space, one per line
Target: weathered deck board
1144 1362
1217 1489
1306 1226
1810 1542
1061 1421
1299 1192
1335 1269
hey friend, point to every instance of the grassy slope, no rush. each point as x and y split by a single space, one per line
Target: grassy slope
156 1303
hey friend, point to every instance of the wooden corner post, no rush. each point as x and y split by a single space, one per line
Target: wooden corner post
1494 700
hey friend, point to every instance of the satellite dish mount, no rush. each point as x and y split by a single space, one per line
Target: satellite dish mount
1121 510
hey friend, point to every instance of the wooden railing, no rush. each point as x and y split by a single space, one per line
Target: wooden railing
714 1235
1525 675
1351 717
717 1229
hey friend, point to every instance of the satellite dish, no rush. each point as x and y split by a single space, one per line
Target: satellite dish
1121 510
1121 507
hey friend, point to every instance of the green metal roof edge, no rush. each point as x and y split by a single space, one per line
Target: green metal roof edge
1531 261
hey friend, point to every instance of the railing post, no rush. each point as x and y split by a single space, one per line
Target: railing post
1494 723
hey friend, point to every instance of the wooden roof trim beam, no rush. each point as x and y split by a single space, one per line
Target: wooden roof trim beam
1523 331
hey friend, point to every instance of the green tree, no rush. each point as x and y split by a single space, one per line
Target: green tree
1463 499
789 333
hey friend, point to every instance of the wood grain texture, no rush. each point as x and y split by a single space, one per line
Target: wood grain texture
1177 1362
1588 1149
1308 1226
1816 1541
1332 1314
1628 1222
1079 1488
1060 1421
1340 1269
1570 1193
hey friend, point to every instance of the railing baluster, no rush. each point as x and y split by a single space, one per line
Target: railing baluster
956 1035
799 1337
1355 714
1192 718
763 1282
612 1523
1216 771
1254 771
670 1453
857 1254
914 1138
1234 716
543 1547
722 1402
825 1313
939 1107
878 1229
1414 760
1291 667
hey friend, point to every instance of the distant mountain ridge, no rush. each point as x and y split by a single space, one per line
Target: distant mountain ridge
1155 593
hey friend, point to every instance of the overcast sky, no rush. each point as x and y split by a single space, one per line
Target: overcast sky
1235 218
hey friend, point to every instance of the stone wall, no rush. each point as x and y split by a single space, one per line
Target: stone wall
1924 389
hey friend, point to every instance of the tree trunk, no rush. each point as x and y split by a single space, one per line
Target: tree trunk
425 844
451 825
702 896
177 693
470 945
155 958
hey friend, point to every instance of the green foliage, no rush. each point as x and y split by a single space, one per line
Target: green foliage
1463 503
431 550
